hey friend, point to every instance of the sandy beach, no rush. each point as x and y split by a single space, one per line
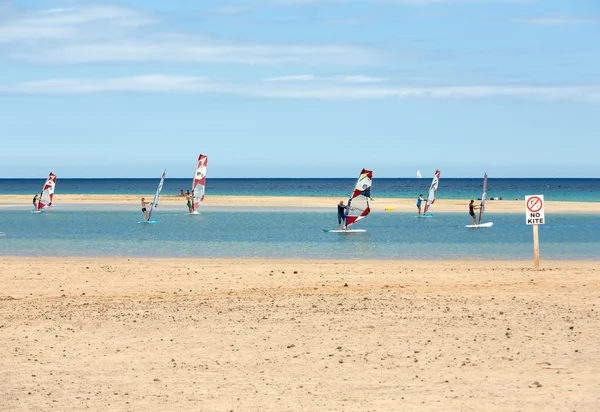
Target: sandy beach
124 334
378 204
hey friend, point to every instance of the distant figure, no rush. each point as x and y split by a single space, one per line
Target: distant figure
419 200
144 203
342 214
181 194
35 203
500 197
472 209
188 197
187 193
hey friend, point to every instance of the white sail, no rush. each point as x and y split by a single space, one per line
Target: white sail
47 193
156 196
419 174
482 206
199 182
359 204
432 190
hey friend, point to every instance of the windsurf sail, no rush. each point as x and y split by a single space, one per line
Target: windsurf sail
419 174
47 192
155 201
359 204
482 206
199 182
432 190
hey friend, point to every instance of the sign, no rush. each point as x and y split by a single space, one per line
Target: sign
534 210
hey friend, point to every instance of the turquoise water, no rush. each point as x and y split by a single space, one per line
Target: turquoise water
288 233
583 190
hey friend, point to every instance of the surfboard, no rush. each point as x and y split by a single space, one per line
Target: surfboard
195 212
486 224
389 209
344 230
36 211
422 216
149 222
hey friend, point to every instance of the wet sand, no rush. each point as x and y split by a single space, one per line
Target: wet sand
122 334
378 204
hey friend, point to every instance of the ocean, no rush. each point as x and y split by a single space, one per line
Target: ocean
580 190
113 230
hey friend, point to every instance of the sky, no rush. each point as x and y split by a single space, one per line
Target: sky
300 88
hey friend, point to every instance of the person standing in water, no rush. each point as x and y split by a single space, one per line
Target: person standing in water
35 203
144 203
419 200
188 197
342 208
472 209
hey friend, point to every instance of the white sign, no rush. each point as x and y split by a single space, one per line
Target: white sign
534 210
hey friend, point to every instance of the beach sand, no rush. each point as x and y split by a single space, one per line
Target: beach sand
118 334
378 204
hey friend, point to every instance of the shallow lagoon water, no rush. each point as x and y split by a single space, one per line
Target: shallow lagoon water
107 230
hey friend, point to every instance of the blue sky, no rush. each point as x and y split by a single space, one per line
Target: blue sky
300 88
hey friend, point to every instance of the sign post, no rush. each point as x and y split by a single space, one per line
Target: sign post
534 215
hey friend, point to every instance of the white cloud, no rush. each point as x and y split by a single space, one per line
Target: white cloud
313 78
559 20
66 23
119 34
291 89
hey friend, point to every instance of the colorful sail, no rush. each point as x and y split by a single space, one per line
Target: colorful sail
199 182
155 201
432 190
47 192
359 204
482 206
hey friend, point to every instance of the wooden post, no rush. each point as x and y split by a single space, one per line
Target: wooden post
536 247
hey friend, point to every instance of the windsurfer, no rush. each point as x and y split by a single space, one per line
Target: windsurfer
144 203
419 200
35 203
188 197
342 209
472 209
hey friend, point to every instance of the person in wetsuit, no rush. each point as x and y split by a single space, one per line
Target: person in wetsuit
188 197
472 209
342 214
35 203
144 203
419 200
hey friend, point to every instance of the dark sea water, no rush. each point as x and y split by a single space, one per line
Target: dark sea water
584 190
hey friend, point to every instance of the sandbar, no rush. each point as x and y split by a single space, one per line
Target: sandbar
103 334
378 204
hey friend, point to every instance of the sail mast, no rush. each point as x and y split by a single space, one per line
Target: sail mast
482 206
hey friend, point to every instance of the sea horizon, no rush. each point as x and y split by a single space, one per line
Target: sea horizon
557 189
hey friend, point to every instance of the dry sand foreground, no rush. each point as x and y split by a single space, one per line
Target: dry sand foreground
378 204
262 335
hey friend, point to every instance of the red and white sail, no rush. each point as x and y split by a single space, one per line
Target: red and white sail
47 192
482 206
359 204
432 190
199 182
